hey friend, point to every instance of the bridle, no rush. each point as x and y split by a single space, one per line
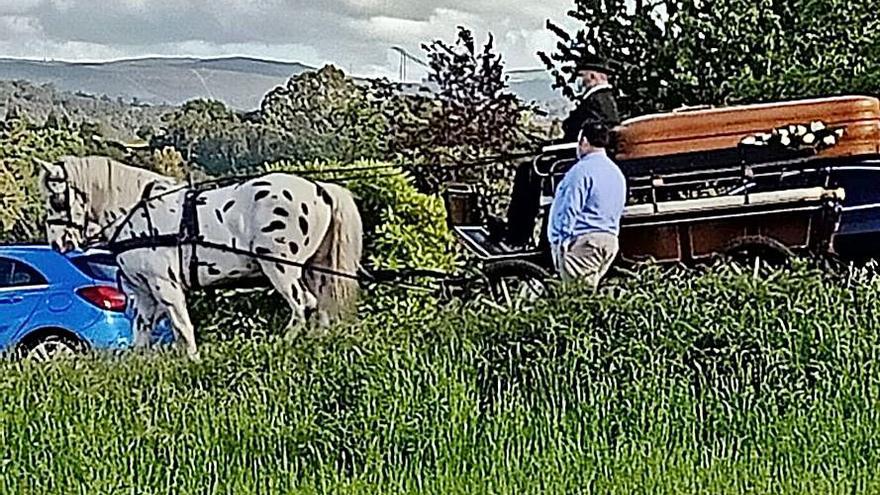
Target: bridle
70 193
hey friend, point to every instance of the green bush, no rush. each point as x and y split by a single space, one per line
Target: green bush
667 383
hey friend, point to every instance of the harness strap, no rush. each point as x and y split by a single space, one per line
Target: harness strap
145 196
145 201
165 240
189 233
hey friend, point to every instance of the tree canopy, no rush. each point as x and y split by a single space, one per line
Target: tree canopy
671 53
218 140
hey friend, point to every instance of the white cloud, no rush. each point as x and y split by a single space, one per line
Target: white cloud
17 27
9 7
356 34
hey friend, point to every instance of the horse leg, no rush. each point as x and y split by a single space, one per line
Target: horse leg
319 283
144 314
172 297
145 320
287 280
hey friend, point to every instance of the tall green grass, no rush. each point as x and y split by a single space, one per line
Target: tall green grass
669 382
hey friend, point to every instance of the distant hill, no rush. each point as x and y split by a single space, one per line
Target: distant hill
239 82
536 86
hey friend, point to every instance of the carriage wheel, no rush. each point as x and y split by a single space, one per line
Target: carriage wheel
514 284
754 253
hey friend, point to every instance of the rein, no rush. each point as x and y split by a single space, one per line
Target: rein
188 235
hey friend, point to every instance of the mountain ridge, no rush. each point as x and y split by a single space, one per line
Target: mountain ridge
238 81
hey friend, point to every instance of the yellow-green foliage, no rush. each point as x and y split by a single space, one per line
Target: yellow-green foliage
21 205
169 162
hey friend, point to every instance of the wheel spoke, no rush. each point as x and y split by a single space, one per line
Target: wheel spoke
41 353
508 302
515 284
49 349
524 292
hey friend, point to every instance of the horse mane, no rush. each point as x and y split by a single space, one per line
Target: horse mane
110 185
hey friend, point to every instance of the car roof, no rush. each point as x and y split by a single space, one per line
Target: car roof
25 248
52 264
45 248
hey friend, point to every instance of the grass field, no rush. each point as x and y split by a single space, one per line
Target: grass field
670 382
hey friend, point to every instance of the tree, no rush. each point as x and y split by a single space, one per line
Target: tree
467 113
476 111
671 53
328 115
471 114
215 138
169 162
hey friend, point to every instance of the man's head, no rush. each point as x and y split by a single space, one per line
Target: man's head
588 78
592 71
594 136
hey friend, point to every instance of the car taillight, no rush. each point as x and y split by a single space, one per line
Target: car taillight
104 297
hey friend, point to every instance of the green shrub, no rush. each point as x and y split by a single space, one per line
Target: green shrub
669 382
403 227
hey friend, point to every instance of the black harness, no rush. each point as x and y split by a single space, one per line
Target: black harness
187 236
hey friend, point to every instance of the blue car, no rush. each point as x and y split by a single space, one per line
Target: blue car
52 303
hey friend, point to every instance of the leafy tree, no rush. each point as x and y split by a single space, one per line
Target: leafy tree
470 115
477 114
215 138
328 115
43 103
671 53
169 162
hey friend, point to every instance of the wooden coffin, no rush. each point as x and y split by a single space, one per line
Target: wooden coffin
712 129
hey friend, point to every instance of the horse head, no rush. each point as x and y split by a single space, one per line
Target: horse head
66 209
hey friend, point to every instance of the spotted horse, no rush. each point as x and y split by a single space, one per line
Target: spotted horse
172 237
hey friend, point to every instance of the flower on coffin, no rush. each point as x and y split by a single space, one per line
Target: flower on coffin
815 135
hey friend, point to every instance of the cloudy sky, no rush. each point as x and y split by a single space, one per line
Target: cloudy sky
355 34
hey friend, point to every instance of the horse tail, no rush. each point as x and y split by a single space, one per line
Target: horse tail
339 251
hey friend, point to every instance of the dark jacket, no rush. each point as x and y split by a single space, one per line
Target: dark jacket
598 104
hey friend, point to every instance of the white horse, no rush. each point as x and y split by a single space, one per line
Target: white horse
276 217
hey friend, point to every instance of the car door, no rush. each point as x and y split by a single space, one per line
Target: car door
22 290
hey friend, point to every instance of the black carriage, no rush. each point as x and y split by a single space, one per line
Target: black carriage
681 209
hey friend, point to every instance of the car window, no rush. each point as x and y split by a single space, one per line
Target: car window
17 274
99 267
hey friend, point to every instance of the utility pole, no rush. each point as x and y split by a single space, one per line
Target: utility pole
403 65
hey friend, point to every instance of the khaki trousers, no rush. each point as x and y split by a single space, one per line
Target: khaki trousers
587 257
